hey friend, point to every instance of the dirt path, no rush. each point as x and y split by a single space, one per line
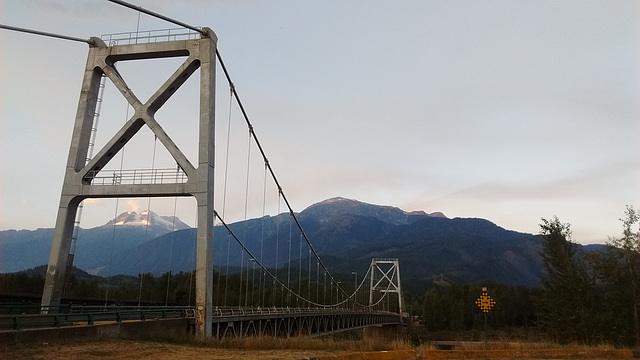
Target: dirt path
142 350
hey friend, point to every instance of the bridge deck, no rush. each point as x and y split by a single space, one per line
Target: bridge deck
235 322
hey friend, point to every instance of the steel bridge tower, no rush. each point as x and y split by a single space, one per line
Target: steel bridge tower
84 180
385 278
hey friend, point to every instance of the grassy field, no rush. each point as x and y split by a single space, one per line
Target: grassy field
294 348
143 350
250 348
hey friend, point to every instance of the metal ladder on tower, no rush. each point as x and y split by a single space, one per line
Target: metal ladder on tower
94 130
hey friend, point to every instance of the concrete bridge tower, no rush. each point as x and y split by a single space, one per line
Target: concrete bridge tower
84 180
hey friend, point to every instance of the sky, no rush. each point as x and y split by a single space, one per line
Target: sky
510 111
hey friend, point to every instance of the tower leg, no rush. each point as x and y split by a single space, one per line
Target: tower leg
204 189
204 267
54 281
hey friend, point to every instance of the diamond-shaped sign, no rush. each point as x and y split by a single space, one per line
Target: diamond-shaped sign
485 302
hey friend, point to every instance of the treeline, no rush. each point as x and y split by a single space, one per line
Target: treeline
454 308
591 297
121 289
252 289
585 297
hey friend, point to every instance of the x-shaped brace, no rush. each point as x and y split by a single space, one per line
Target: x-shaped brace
143 113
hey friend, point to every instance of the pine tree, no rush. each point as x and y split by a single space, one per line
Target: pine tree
567 301
620 273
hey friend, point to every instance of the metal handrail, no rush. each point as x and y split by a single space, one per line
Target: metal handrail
150 36
137 176
90 315
22 321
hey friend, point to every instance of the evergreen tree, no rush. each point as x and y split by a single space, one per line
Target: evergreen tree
619 272
567 300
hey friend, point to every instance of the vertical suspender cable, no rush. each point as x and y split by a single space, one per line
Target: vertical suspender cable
273 176
300 267
289 266
224 197
115 216
113 236
146 229
309 279
240 284
277 250
330 301
264 202
324 289
173 230
246 205
204 33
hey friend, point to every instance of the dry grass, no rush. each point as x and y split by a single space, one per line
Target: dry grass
195 349
524 350
305 343
146 350
519 345
269 348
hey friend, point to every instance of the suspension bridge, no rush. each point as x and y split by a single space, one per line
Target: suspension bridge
296 292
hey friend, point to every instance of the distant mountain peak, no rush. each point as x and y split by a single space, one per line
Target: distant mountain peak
327 209
335 200
438 214
147 218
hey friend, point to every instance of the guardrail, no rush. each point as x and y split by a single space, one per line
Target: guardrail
150 36
71 315
240 311
21 308
83 316
137 176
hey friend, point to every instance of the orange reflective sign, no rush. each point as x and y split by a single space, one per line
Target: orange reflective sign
485 302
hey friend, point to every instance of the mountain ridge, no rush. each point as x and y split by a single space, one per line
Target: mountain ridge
432 249
25 249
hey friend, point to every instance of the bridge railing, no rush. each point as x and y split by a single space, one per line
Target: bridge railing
236 311
150 36
85 316
71 315
21 308
138 176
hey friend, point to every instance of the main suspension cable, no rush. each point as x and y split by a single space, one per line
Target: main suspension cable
159 16
266 270
246 117
90 41
273 175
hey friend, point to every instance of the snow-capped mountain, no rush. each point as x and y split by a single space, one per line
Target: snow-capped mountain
147 218
25 249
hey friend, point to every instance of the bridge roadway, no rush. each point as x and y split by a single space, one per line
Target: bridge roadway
287 322
226 322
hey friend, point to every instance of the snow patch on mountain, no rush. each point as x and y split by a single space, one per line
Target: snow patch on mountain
147 218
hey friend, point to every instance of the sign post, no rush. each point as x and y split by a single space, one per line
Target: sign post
485 303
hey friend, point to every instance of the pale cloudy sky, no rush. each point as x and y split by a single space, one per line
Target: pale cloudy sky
504 110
